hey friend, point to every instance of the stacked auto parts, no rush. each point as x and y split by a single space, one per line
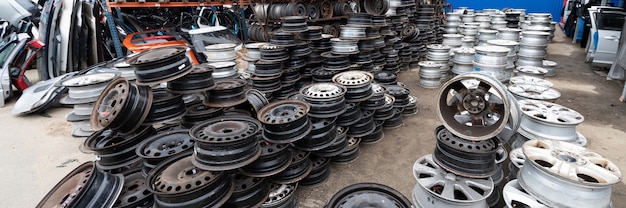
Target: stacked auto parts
549 121
533 88
492 60
83 93
532 49
463 60
586 175
464 169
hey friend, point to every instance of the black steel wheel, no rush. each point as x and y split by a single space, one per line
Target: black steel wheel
271 52
165 107
386 78
364 126
284 39
176 182
350 154
274 159
134 193
85 186
299 168
377 101
285 121
249 192
375 7
281 196
358 84
339 144
227 93
375 136
266 84
293 24
198 113
319 173
121 107
387 111
256 101
472 159
116 151
159 65
268 68
321 136
158 148
351 116
369 195
326 99
321 75
395 121
312 33
200 79
226 143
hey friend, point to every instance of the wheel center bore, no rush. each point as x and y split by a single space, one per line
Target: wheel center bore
474 103
169 145
190 173
569 157
227 128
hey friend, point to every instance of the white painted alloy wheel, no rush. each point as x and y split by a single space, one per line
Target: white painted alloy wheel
561 174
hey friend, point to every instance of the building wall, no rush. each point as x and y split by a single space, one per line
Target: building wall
532 6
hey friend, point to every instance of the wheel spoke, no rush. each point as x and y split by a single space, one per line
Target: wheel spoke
490 118
534 151
492 98
455 98
448 190
564 169
463 118
602 173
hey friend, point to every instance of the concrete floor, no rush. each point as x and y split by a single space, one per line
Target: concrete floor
37 150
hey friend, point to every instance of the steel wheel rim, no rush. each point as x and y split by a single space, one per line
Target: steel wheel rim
368 194
121 97
226 143
69 192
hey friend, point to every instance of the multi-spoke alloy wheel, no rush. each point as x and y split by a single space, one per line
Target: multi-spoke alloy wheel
437 188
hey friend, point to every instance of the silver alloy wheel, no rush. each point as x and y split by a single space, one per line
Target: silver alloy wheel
343 46
545 120
530 81
464 55
225 69
534 92
437 188
86 88
220 52
430 74
473 106
553 166
514 195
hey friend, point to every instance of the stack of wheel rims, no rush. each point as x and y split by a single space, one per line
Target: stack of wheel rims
465 167
183 135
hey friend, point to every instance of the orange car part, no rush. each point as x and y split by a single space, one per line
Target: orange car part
149 39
